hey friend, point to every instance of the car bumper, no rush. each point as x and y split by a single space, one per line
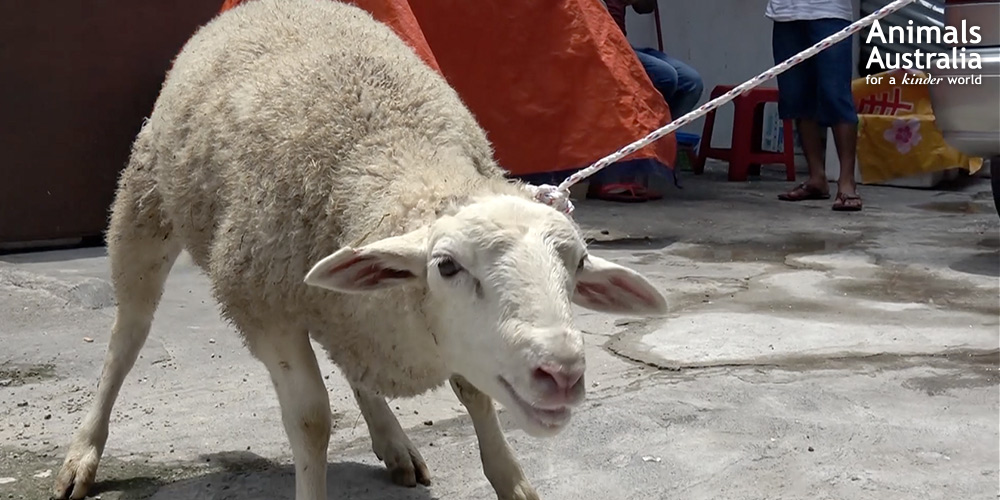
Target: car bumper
968 114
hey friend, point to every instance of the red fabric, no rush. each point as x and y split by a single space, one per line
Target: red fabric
554 83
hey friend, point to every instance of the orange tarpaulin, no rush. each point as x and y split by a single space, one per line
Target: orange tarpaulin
555 84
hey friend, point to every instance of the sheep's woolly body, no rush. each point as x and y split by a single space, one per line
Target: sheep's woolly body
287 129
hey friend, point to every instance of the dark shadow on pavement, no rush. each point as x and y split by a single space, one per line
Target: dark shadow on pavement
247 476
984 264
134 488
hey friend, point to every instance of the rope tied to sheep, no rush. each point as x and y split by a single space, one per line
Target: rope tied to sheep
553 197
558 196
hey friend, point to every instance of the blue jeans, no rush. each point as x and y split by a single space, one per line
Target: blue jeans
679 83
819 88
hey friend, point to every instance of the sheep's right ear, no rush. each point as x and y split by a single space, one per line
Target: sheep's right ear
386 263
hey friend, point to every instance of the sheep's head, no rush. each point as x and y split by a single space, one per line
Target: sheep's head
501 275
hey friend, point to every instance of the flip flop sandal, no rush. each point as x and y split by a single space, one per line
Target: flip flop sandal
804 192
626 193
847 203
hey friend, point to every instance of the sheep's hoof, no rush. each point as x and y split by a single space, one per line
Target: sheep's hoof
404 462
522 491
77 474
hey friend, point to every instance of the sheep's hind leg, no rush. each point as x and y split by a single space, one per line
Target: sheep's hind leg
499 463
141 251
305 405
389 441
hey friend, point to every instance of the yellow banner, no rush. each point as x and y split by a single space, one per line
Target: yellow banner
897 134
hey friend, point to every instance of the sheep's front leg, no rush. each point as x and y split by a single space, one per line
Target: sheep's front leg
389 441
305 407
499 463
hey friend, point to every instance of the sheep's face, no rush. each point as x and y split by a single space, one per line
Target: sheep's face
501 276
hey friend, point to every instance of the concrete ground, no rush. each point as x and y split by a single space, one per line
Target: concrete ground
809 355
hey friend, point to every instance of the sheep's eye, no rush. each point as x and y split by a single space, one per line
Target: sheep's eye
448 267
583 262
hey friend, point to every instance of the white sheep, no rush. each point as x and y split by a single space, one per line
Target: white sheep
331 184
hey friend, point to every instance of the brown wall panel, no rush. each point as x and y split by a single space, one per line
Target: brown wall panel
76 80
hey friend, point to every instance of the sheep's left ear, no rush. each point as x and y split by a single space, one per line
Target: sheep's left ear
386 263
604 286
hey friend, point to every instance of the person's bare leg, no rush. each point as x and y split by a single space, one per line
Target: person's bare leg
845 136
812 148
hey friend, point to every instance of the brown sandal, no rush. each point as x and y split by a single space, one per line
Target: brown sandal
847 203
804 192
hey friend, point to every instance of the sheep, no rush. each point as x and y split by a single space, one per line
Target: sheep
333 187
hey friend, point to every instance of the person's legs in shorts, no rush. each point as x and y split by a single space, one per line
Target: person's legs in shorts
797 101
835 106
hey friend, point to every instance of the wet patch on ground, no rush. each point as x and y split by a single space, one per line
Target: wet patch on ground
630 243
648 258
954 207
965 360
977 376
787 307
14 375
907 285
982 264
829 283
983 363
990 242
690 292
769 251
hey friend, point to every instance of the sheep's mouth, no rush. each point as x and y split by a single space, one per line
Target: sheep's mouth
548 418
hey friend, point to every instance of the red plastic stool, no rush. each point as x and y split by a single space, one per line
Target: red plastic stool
745 155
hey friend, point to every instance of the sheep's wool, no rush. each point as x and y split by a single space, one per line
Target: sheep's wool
287 129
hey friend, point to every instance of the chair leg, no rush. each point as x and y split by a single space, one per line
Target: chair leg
739 162
789 150
706 144
739 170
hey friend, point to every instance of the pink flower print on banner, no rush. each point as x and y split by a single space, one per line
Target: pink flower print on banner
905 134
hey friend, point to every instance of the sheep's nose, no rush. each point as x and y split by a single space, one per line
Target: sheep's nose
560 382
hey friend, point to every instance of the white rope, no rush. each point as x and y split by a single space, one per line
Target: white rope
558 196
